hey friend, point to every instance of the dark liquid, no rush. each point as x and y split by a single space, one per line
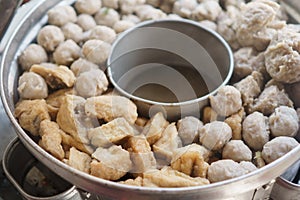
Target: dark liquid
157 92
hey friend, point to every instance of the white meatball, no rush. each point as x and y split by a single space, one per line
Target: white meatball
86 22
184 8
223 170
82 65
107 17
278 147
256 130
215 135
147 12
284 122
227 101
88 6
96 51
111 4
60 15
50 37
132 18
237 150
248 166
128 6
33 54
209 24
188 128
122 25
91 83
66 53
103 33
32 86
73 31
209 10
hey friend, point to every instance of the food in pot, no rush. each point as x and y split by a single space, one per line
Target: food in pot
67 105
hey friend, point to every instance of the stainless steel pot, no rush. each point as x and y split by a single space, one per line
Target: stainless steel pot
245 187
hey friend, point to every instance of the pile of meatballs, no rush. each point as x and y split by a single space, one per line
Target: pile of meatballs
66 101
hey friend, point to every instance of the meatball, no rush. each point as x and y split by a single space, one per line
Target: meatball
107 17
33 54
227 101
256 130
50 37
103 33
128 6
215 135
82 65
237 150
66 53
122 25
114 4
60 15
209 10
270 98
184 8
32 86
73 31
284 122
278 147
131 18
252 24
147 12
88 6
91 83
188 128
86 22
282 57
96 51
223 170
208 24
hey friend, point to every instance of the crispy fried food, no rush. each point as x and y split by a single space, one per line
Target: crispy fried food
79 160
168 177
109 107
56 77
31 113
154 128
111 133
111 164
191 160
52 138
72 119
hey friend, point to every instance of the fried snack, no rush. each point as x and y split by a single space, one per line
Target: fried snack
111 164
52 138
140 153
155 127
111 107
56 77
168 177
235 123
113 132
72 119
79 160
30 113
167 144
191 160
